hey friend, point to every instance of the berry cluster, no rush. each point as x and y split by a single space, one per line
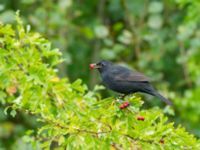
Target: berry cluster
124 105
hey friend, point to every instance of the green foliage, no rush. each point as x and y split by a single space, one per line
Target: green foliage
188 36
71 116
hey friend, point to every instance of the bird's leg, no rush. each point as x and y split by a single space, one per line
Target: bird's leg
120 98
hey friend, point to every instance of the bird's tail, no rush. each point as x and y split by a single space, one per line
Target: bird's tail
149 89
155 93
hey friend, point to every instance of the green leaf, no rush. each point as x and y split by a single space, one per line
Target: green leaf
13 113
155 7
155 21
101 31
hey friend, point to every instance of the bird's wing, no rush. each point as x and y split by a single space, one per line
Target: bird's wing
123 74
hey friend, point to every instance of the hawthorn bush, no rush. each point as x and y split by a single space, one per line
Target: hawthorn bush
71 116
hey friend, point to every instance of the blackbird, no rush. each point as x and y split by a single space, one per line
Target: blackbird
125 81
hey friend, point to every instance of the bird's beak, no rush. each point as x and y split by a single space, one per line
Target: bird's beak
94 66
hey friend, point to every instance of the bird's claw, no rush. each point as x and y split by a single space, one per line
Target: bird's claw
121 96
119 101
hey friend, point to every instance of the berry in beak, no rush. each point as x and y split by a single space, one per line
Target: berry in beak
92 66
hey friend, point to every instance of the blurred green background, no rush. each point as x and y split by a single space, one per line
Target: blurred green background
160 38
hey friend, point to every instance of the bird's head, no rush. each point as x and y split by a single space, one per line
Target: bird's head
101 66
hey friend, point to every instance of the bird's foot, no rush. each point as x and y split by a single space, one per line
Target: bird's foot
121 96
119 100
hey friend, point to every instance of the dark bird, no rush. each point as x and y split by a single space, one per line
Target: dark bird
125 81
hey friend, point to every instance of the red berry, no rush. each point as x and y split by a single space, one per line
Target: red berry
126 104
92 66
121 106
11 90
162 141
141 118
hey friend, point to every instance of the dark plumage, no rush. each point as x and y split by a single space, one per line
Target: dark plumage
124 80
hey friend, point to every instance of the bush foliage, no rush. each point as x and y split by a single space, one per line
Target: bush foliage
71 116
157 37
